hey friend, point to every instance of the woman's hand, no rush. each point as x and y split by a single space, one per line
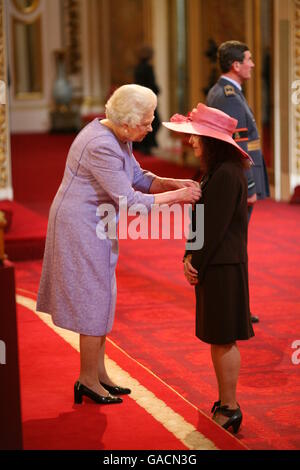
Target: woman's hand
160 185
189 271
178 184
189 194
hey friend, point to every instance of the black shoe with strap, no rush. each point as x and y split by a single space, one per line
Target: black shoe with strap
215 405
115 390
81 390
235 417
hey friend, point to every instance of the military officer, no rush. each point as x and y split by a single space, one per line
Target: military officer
236 65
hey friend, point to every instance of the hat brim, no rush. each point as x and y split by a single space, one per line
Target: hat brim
197 129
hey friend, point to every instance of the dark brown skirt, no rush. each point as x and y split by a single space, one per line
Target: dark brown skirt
222 305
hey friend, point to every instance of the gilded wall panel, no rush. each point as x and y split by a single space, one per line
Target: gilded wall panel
72 35
296 107
3 130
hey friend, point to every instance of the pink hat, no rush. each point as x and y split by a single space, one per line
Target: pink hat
209 122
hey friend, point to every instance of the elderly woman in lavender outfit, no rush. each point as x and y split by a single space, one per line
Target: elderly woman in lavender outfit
78 285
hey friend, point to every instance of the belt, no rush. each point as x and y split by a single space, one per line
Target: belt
254 145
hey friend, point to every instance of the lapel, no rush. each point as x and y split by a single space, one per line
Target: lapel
206 178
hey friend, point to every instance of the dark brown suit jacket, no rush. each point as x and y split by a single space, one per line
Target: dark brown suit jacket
225 219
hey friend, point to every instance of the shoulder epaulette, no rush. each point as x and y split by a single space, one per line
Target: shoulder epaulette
229 90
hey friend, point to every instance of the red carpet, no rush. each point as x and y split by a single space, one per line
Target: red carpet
168 343
51 421
38 162
155 324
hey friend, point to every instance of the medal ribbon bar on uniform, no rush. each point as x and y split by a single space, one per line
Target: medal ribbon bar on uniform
254 145
241 135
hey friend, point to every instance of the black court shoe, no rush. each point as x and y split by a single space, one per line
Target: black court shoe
115 390
81 391
235 417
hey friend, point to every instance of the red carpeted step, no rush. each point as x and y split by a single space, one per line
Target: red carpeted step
38 162
26 236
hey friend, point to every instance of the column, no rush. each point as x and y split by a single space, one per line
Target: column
93 93
195 52
161 64
6 191
295 102
283 59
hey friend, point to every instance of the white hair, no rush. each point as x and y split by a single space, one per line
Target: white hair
129 104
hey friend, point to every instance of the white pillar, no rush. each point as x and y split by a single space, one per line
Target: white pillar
161 64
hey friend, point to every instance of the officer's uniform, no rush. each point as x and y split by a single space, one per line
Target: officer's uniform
227 97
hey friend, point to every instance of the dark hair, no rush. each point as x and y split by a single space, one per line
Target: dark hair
215 152
229 52
145 52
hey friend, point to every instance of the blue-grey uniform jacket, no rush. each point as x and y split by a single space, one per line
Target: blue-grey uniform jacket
227 97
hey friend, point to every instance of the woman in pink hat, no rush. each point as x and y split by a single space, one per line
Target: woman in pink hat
219 270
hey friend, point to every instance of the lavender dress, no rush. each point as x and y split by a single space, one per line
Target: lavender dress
78 283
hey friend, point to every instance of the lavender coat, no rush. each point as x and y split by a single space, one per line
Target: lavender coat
78 283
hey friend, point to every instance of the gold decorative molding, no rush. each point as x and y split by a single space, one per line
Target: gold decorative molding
296 69
26 7
3 130
72 32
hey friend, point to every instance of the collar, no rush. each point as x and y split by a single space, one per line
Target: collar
232 81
